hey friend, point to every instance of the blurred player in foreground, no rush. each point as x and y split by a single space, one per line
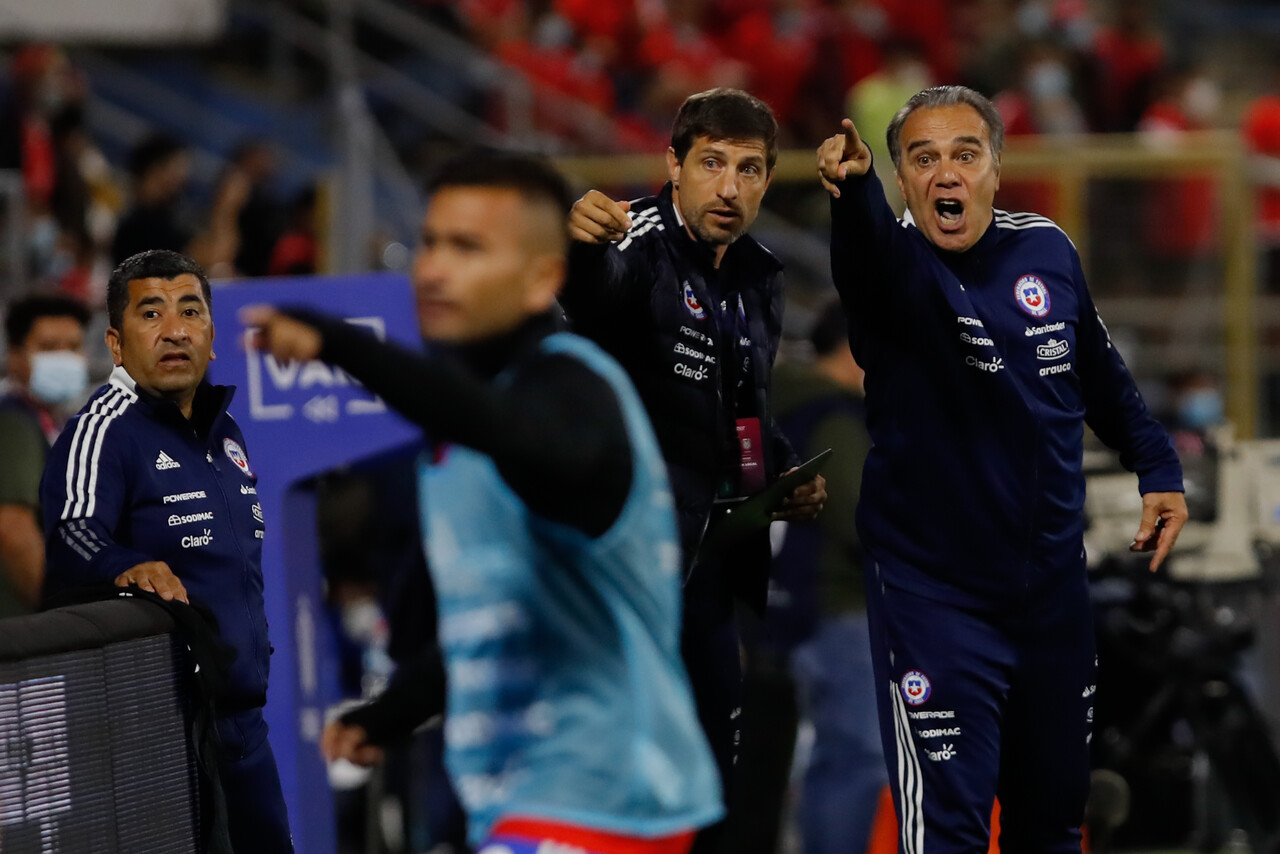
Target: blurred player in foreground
550 534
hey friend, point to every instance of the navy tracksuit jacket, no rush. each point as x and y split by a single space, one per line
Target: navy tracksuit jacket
129 481
982 369
687 333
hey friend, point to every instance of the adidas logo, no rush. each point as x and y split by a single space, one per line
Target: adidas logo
164 462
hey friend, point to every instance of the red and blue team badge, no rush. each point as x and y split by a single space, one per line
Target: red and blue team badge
236 454
691 303
1032 296
915 687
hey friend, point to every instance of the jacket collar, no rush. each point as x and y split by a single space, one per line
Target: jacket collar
210 404
745 253
491 356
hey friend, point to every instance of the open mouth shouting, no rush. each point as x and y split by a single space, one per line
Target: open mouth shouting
950 214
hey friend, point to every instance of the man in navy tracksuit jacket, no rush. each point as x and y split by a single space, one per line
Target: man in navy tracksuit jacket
150 485
674 288
984 359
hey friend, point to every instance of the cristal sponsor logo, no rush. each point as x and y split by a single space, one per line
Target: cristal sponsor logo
184 496
245 489
996 364
164 462
1090 691
197 541
698 374
1052 349
938 733
930 715
943 755
968 321
1046 329
1061 368
976 341
175 519
689 351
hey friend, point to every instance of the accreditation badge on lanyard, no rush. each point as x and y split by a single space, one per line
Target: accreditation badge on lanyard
751 476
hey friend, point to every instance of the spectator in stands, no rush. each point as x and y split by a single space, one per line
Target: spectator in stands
74 253
43 82
681 58
296 252
258 215
776 41
817 602
47 373
1261 129
874 100
1180 226
1041 102
1129 58
159 167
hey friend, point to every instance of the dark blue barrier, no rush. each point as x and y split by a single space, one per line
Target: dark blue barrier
300 420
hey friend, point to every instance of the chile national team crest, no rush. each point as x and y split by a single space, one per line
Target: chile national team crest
236 454
691 303
1032 296
915 687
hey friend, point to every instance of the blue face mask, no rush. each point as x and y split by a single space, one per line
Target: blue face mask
58 376
1200 409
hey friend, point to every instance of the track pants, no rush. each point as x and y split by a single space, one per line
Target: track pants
976 705
256 816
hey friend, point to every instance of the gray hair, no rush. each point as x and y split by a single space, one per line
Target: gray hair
946 96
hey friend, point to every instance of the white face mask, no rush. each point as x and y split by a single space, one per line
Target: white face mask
58 376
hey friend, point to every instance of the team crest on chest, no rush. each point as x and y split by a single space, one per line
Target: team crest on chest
236 454
691 303
1032 296
915 687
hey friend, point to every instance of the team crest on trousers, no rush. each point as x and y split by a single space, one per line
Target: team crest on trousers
236 454
1032 296
915 687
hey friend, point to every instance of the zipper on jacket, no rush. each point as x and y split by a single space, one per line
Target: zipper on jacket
244 558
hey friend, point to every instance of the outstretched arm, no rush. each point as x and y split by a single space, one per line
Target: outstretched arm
556 433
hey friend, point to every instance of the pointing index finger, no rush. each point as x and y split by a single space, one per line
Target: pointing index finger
852 141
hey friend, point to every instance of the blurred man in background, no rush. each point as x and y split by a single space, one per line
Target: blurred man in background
1260 127
817 606
160 166
47 374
